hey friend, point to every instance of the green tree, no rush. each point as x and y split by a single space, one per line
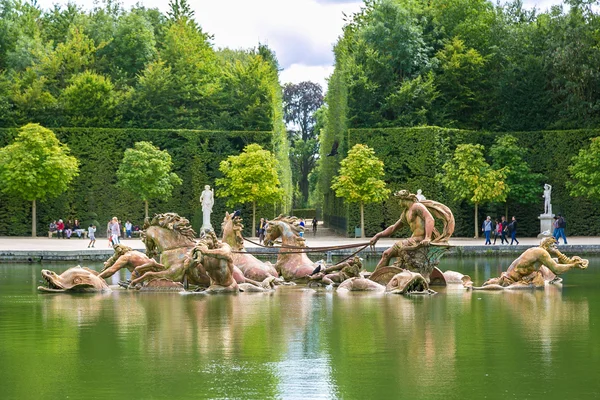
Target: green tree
301 101
469 177
523 185
90 100
36 166
146 172
134 44
585 172
250 177
359 179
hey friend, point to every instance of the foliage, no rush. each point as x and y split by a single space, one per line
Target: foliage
250 177
523 185
585 171
89 100
36 166
360 176
301 101
469 177
359 179
196 156
146 172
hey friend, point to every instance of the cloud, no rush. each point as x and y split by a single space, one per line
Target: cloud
297 73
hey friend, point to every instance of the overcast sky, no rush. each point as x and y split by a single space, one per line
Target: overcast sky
301 32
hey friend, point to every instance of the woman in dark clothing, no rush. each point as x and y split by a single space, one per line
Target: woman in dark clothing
512 227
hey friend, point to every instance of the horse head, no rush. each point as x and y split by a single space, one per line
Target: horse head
166 232
232 231
287 229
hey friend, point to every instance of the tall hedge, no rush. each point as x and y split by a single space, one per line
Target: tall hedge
94 195
414 156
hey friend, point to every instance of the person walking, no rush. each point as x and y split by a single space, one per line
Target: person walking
512 228
562 224
486 228
504 223
128 227
115 230
302 224
92 235
261 230
498 231
555 229
315 223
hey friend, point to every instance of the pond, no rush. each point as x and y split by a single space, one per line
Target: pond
301 343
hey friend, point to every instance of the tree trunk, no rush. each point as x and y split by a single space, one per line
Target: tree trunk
253 218
146 208
33 219
362 220
506 210
476 222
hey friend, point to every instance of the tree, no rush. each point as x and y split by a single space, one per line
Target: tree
359 179
301 101
585 172
36 166
90 100
523 185
250 177
146 172
469 177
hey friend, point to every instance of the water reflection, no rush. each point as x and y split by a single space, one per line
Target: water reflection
299 342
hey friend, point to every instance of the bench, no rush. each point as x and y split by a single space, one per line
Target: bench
84 234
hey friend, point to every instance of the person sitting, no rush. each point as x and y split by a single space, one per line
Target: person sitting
52 229
60 229
68 229
77 229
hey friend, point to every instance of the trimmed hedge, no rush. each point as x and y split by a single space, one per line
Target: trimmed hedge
413 157
94 195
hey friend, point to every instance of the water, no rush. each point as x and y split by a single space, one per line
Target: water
302 344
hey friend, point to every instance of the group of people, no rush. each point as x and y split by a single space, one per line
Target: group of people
65 230
500 228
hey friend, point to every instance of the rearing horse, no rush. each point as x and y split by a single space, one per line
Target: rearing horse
292 265
172 238
250 266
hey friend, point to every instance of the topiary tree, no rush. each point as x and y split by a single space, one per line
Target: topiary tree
584 172
469 177
250 177
359 179
146 172
36 166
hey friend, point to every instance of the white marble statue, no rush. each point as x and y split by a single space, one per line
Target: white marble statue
207 198
420 196
547 199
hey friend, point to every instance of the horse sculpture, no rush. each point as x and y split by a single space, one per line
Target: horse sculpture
292 264
172 238
250 266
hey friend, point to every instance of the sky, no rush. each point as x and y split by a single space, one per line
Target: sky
301 32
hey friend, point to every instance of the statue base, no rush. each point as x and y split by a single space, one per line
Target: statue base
546 228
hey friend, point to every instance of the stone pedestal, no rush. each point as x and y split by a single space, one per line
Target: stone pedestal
546 225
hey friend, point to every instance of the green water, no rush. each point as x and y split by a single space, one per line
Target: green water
301 343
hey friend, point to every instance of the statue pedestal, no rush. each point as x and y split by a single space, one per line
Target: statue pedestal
546 225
